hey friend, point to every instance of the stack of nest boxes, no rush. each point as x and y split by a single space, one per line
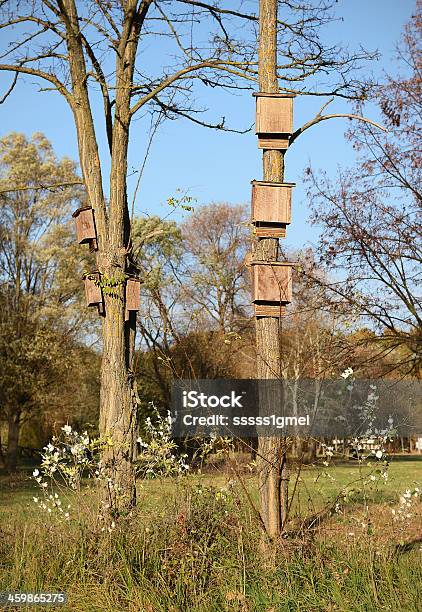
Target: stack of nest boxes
271 206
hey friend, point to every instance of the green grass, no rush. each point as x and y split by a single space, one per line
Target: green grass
403 473
186 549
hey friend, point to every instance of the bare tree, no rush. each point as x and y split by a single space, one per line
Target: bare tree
103 48
195 294
371 218
216 240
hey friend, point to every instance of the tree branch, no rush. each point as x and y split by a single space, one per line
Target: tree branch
41 186
48 25
218 65
216 9
104 90
42 75
216 126
11 88
320 117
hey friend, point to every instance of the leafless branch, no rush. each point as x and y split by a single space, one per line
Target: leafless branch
11 88
42 75
320 117
216 9
40 186
167 108
227 67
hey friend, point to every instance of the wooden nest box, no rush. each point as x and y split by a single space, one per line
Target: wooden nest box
85 227
271 208
93 293
271 287
132 295
274 119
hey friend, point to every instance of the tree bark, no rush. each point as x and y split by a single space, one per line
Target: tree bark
272 467
13 424
118 408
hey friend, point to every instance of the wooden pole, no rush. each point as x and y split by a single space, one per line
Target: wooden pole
272 466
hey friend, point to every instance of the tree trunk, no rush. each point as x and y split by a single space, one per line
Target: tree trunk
272 468
118 410
310 455
118 398
13 424
118 405
2 459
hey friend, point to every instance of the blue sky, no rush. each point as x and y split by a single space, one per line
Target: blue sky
217 166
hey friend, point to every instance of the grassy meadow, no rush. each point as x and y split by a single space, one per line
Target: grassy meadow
195 544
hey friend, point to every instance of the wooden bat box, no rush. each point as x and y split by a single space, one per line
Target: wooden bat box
271 283
93 293
271 208
133 295
274 119
85 227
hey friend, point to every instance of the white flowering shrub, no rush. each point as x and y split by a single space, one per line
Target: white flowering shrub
370 444
368 449
215 447
347 373
406 505
65 462
72 459
157 454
